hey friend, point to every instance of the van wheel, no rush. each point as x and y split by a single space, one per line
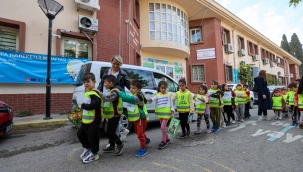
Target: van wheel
124 121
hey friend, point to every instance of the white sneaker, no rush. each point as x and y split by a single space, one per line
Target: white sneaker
267 118
123 134
223 125
280 116
276 117
241 120
233 121
260 118
90 158
85 153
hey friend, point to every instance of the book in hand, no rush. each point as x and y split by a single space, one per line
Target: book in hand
173 127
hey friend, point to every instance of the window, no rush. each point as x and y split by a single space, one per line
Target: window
195 35
137 12
76 48
250 47
198 74
171 85
241 43
229 73
9 39
168 23
256 49
225 36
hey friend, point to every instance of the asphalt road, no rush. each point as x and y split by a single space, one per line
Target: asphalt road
250 146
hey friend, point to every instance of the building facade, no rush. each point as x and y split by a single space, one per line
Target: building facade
197 39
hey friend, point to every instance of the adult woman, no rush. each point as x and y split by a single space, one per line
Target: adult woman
264 102
122 81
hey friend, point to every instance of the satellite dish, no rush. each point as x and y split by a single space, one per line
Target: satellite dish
86 22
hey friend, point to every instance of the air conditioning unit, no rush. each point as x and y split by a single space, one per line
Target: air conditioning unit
242 63
279 73
88 24
265 61
272 64
90 5
256 58
291 75
242 52
278 60
229 48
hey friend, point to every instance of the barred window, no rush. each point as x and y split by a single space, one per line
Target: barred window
198 73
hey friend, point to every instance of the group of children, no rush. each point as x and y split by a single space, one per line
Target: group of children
217 103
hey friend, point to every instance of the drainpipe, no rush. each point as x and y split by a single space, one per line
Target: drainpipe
128 38
120 27
233 39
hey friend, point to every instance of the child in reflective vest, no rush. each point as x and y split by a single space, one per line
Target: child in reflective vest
241 99
137 113
164 110
202 108
299 102
291 100
88 133
285 109
247 104
185 104
215 105
278 103
228 102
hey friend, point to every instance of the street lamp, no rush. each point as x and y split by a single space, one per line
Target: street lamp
50 8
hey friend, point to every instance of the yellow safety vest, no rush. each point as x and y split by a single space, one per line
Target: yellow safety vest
277 103
214 102
163 112
291 98
300 101
88 116
285 98
226 99
108 112
200 108
183 104
247 98
135 115
241 100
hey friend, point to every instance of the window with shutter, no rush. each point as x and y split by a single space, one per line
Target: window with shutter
8 40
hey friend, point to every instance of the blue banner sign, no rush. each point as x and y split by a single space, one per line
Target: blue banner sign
19 67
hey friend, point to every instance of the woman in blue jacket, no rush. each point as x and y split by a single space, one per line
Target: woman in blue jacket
264 102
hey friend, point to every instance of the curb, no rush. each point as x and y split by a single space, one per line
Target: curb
40 124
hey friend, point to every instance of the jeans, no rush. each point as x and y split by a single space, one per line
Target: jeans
240 111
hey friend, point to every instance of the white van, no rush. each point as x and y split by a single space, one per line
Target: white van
150 77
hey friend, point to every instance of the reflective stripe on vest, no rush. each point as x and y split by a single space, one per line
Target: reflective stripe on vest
164 112
277 103
183 104
300 101
291 98
240 100
200 108
88 116
108 112
226 99
213 102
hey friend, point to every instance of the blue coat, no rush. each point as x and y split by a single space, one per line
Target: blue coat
263 104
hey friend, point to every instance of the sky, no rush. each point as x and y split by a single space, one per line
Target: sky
272 18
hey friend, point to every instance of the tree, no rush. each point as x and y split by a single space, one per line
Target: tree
245 74
284 44
294 2
296 50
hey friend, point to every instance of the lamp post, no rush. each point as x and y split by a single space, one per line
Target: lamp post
50 8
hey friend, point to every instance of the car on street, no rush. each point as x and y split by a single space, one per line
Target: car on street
6 118
252 97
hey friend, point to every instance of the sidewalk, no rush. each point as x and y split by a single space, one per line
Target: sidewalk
36 121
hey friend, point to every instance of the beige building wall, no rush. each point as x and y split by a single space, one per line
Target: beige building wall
36 39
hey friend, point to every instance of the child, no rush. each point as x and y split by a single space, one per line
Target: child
277 103
228 101
215 105
202 108
247 104
241 99
285 109
164 110
112 110
184 106
299 102
291 100
88 133
137 113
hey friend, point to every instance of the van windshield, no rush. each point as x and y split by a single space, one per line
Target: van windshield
84 69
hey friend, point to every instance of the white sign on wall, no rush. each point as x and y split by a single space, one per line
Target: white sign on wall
209 53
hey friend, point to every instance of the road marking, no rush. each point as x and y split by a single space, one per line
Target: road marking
164 165
243 125
280 134
179 160
228 168
203 168
290 139
260 132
